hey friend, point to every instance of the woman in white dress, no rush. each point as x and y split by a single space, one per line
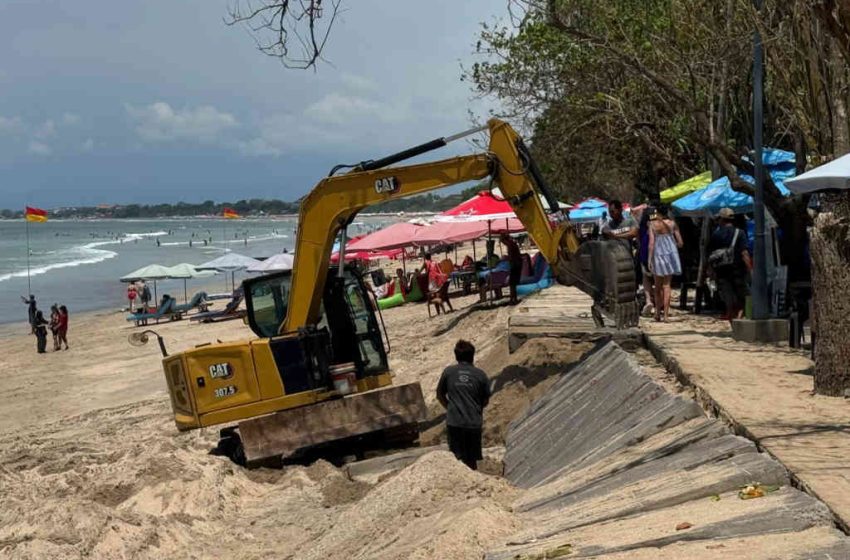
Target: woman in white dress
664 244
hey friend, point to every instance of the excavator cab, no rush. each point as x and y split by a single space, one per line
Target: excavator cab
348 325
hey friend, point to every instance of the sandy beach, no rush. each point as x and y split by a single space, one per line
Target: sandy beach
92 465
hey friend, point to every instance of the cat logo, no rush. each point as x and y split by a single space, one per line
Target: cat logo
386 185
221 371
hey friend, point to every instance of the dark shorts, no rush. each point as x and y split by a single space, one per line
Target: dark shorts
465 443
515 275
733 290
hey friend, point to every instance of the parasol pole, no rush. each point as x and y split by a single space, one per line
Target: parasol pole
185 299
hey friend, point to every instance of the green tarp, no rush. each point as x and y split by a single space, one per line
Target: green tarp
686 187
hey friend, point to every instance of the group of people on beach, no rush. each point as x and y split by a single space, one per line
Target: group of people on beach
58 325
659 241
138 290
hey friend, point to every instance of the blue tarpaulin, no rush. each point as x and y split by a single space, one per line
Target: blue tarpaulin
719 194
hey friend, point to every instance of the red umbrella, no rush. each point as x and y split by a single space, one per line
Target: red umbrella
449 232
391 237
481 207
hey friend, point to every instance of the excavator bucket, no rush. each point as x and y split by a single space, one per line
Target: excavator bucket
605 270
392 410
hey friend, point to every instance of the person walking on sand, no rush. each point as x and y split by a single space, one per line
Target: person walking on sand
145 296
464 391
643 259
730 262
664 244
63 326
515 260
32 311
40 332
54 325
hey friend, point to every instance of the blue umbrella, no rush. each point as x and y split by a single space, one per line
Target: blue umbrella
720 194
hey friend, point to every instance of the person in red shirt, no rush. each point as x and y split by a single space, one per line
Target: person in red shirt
62 331
131 295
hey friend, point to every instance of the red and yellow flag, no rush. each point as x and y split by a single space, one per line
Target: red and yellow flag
230 213
35 214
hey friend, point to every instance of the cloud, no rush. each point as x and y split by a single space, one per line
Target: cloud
88 145
47 129
71 119
10 124
159 122
339 108
39 148
358 83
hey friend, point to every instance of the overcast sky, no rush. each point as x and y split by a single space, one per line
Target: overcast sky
159 101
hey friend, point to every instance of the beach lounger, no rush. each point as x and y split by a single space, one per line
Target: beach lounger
165 309
230 311
198 300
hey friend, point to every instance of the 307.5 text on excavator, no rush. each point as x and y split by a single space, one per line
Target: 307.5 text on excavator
275 393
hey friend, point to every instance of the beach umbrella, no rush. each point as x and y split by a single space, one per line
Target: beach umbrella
229 262
591 210
720 194
275 263
185 272
834 175
482 207
686 187
394 236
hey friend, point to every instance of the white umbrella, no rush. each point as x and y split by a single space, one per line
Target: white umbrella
150 272
829 176
229 262
275 263
186 271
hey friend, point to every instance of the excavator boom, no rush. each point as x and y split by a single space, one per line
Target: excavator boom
336 200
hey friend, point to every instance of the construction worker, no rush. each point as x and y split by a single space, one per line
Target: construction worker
464 391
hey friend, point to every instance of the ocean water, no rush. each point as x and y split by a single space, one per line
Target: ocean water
79 263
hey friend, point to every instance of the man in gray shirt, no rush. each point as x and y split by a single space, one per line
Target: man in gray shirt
464 391
619 227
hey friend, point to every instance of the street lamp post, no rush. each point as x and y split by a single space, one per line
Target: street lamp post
759 288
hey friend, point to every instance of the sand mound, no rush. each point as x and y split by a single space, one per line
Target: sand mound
434 508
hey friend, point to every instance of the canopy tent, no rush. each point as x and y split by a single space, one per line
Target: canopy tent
275 263
229 262
829 176
720 194
686 187
591 210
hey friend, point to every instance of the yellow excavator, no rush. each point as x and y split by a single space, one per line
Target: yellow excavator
276 393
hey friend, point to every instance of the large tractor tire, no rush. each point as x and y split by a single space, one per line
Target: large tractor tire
604 270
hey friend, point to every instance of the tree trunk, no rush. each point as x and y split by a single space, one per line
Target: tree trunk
830 249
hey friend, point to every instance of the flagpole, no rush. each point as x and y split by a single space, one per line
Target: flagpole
29 284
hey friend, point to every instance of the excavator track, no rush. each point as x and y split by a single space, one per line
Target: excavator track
604 270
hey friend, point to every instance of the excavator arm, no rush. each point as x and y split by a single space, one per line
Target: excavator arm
336 200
